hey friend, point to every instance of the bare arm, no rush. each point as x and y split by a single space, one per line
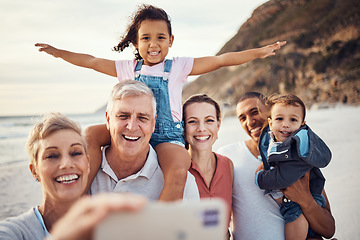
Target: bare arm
96 136
209 64
232 171
82 60
259 168
320 219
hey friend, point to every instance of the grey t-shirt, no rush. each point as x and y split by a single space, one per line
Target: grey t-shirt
25 227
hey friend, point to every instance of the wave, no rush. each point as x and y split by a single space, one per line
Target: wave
13 135
13 163
15 124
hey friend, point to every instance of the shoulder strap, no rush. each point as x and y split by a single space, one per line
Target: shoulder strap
167 69
138 68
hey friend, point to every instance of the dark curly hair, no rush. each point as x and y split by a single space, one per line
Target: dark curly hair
144 12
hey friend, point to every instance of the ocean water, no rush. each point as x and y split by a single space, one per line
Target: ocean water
14 132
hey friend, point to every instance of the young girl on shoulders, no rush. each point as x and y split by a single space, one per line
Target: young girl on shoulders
151 35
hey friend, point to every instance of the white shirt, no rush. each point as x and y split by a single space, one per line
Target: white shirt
148 182
256 216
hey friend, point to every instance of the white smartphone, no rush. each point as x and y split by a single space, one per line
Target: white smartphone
186 220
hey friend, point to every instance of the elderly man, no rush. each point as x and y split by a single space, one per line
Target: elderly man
130 164
257 216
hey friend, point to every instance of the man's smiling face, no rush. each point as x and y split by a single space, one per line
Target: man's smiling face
250 118
131 124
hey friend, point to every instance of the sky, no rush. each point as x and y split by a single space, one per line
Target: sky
33 82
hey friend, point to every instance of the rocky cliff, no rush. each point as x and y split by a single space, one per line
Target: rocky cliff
320 63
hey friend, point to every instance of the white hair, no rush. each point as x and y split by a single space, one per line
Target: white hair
130 88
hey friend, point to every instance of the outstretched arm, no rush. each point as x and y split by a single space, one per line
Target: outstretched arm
82 60
320 219
209 64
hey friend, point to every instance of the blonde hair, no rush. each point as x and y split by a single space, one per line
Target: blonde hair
49 124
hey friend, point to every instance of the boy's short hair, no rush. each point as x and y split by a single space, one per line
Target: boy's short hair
49 124
287 99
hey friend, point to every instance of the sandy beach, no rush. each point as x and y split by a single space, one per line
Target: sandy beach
338 127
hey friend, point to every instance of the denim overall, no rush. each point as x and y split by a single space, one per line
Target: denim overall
166 130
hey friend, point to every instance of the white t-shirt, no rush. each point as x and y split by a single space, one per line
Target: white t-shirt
180 70
256 216
148 182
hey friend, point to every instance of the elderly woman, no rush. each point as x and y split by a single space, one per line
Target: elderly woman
213 172
59 162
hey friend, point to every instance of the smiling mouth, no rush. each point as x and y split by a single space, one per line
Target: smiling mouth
153 53
202 138
285 133
130 138
67 178
255 129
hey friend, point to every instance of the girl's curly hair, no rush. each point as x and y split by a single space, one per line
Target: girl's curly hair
144 12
